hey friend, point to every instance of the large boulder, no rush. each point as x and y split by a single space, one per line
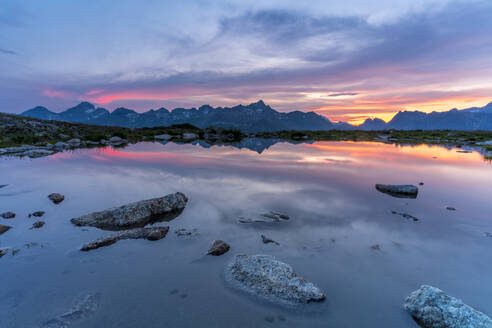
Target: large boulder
56 198
136 214
400 191
219 247
271 279
432 308
154 233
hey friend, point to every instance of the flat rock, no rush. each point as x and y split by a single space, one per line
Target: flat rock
219 247
8 215
186 232
35 153
37 224
56 198
154 233
136 214
271 279
405 215
83 307
400 191
267 217
267 240
37 214
165 137
432 308
4 228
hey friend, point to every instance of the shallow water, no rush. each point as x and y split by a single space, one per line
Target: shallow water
336 216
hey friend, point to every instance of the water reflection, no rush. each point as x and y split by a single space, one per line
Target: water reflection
327 188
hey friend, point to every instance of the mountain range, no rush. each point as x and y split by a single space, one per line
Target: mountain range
259 117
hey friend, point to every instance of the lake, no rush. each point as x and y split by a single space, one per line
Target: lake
342 235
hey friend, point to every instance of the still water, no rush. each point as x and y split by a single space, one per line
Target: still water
327 188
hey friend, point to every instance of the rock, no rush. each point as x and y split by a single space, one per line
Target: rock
464 151
56 198
276 281
37 224
117 141
37 214
375 247
91 143
190 136
219 247
136 214
421 183
35 153
488 234
61 145
266 217
63 136
165 137
432 308
8 215
3 185
3 251
405 215
4 228
84 307
103 142
267 240
154 233
186 232
74 142
400 191
449 208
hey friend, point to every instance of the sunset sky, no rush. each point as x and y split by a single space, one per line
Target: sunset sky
347 60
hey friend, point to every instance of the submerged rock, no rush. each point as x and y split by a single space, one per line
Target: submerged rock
405 215
400 191
4 228
3 185
270 216
84 307
186 232
276 281
8 215
219 247
154 233
37 214
136 214
449 208
432 308
56 198
37 224
267 240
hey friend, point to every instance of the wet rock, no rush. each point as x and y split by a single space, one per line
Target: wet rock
375 247
37 214
136 214
488 234
400 191
405 215
37 224
267 240
270 216
56 198
83 307
421 183
4 228
449 208
3 185
8 215
165 137
432 308
35 153
154 233
3 251
186 232
276 281
219 247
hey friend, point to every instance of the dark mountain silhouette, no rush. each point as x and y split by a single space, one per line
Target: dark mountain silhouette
256 117
259 117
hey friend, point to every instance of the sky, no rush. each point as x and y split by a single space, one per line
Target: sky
347 60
